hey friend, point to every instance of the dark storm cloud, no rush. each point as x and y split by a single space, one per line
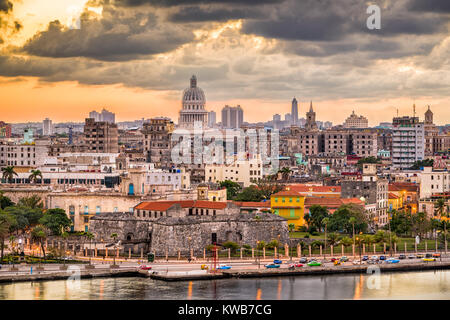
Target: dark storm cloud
114 37
174 3
438 6
200 14
5 6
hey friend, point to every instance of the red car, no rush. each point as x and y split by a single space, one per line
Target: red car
295 265
144 267
436 255
333 259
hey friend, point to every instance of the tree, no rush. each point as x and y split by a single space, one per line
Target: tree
267 187
316 215
346 241
56 221
422 163
8 173
333 239
400 222
273 244
39 234
32 202
420 223
325 222
5 201
251 193
285 173
291 227
33 177
233 246
340 219
352 221
6 221
440 207
232 188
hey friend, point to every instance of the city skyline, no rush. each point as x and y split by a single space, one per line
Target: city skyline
51 53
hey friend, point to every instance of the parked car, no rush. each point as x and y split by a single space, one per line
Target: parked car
382 257
295 265
333 259
223 267
145 267
428 255
357 262
436 255
314 264
277 261
344 259
429 259
374 258
402 256
337 262
419 256
392 260
365 258
411 256
272 265
303 260
204 267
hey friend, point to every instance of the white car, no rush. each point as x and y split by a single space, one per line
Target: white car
374 258
356 262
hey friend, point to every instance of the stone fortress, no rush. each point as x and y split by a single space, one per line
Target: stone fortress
180 227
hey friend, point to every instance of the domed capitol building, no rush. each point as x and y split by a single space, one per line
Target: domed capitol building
193 106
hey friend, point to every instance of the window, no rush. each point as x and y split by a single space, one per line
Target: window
86 210
97 210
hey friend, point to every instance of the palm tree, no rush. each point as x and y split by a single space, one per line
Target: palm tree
325 223
34 175
443 214
90 236
6 220
285 173
352 221
39 234
114 236
8 173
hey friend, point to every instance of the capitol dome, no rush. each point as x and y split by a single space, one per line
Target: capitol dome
193 106
194 97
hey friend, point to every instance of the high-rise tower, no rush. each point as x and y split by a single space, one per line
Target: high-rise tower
294 112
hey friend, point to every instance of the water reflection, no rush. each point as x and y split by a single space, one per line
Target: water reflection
414 285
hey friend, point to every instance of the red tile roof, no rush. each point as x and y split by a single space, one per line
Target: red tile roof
250 204
164 205
393 196
403 186
287 193
306 188
331 202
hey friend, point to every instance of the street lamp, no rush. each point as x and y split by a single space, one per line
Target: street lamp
390 238
257 252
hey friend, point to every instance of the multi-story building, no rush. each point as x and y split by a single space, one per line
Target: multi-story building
289 205
157 135
211 119
5 130
372 190
294 112
105 116
433 181
356 122
232 117
101 137
244 172
47 127
408 141
363 143
23 155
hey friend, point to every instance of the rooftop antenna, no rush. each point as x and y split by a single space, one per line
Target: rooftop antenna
397 112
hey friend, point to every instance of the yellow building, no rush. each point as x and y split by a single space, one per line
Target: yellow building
395 201
289 205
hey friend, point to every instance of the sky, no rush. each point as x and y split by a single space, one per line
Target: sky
62 59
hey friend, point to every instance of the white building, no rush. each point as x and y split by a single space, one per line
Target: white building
244 172
354 121
47 127
23 155
408 141
232 117
433 181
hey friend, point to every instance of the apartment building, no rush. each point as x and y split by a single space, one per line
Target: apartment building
408 141
101 137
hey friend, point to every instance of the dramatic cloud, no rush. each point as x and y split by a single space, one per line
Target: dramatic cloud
430 5
5 6
116 36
